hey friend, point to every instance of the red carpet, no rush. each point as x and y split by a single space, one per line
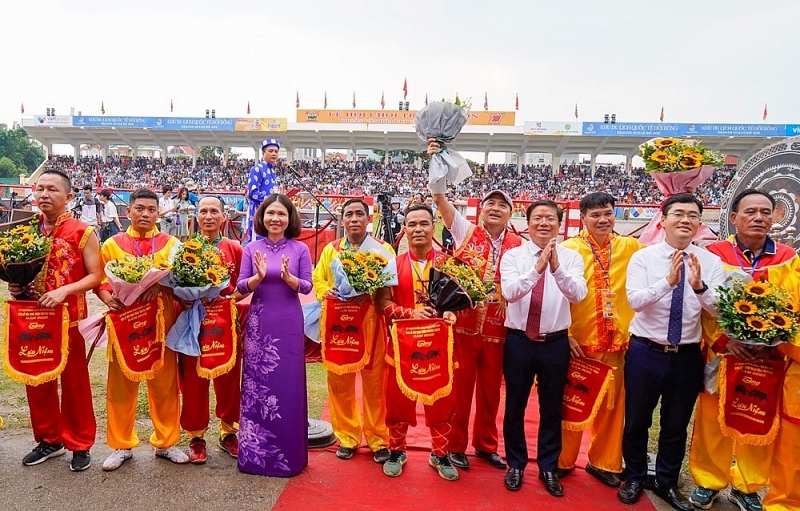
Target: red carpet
329 483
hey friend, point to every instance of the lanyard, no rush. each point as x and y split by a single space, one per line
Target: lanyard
756 261
152 245
606 271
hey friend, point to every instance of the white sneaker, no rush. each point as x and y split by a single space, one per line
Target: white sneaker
116 459
173 454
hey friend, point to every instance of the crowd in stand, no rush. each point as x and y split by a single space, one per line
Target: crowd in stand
570 182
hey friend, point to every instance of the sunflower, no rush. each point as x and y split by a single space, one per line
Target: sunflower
691 153
193 245
162 266
757 289
361 257
213 276
378 258
190 258
371 275
660 157
20 229
26 240
780 320
664 142
689 163
791 306
347 264
758 324
745 307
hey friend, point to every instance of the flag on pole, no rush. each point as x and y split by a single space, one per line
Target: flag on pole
102 108
661 117
248 107
516 105
458 101
486 101
297 99
576 110
22 108
405 89
171 106
325 101
426 99
764 117
383 103
354 99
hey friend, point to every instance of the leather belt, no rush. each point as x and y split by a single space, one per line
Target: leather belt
665 348
552 336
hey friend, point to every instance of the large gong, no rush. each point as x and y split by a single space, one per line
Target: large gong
776 170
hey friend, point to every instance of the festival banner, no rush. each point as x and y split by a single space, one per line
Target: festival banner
423 358
347 332
552 128
35 341
395 117
137 336
749 399
588 381
219 338
260 124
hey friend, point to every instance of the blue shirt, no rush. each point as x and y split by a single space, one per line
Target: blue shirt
261 183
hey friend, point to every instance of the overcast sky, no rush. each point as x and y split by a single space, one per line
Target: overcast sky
703 61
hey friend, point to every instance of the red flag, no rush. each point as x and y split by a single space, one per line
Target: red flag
661 117
383 103
576 110
248 107
325 103
426 99
171 106
405 88
517 102
486 101
98 179
764 117
354 99
22 108
297 100
102 108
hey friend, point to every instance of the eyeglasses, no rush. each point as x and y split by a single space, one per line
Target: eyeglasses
680 215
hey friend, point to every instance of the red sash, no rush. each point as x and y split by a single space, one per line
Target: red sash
588 381
347 332
423 358
137 337
35 341
749 399
218 339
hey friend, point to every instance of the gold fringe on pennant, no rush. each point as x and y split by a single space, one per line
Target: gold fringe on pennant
210 374
28 379
160 336
368 327
425 399
580 426
742 438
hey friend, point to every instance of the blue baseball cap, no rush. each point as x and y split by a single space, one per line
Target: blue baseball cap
270 141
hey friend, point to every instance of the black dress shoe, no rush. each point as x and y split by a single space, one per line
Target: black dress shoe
673 497
514 479
492 458
458 460
629 492
561 473
607 478
551 483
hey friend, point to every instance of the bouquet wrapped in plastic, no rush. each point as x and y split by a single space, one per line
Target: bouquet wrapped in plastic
131 276
198 272
443 120
454 285
23 253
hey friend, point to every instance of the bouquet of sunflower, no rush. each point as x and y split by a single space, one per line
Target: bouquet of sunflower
677 166
361 272
757 313
454 285
131 276
198 271
23 252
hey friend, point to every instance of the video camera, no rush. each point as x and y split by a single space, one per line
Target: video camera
385 200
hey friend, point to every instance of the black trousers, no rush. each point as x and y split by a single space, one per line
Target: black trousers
523 360
676 379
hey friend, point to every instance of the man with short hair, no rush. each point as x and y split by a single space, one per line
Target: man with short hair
73 268
539 279
111 224
600 332
195 409
668 285
716 460
167 208
91 209
349 423
261 182
142 238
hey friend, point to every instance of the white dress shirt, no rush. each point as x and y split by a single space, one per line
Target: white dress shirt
566 285
650 296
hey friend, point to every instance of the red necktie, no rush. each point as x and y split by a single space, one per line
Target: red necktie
535 311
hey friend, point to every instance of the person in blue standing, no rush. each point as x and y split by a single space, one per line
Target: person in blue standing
261 183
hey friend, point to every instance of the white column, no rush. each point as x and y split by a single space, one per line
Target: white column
519 163
593 164
629 164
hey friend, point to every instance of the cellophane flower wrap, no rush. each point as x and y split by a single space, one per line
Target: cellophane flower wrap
23 252
443 121
757 313
454 285
361 272
198 272
677 166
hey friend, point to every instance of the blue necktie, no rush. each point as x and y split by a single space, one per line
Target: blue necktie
675 328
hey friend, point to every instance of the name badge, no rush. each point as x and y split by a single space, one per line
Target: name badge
609 309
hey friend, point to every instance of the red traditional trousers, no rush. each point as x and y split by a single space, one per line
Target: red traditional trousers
480 372
195 390
71 419
401 412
